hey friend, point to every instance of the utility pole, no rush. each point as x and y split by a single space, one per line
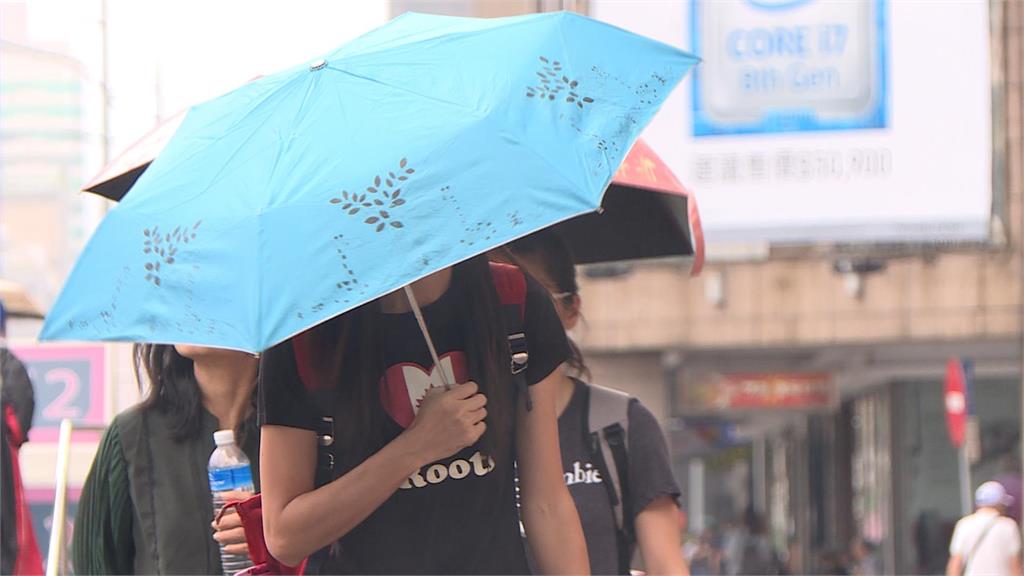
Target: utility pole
104 84
158 93
1013 42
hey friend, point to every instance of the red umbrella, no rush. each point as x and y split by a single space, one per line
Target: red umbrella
647 211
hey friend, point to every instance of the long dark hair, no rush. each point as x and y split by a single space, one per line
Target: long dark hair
172 387
549 250
348 354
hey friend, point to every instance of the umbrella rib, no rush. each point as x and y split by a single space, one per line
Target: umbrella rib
224 165
573 185
408 91
572 70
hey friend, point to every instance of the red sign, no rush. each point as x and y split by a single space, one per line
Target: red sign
760 391
955 397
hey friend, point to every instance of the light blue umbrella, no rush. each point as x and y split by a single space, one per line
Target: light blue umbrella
304 194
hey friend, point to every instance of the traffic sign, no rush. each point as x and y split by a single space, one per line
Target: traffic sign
956 401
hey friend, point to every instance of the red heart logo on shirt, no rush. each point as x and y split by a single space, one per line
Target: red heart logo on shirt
405 385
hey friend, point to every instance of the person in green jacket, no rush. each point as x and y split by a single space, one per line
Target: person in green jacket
146 506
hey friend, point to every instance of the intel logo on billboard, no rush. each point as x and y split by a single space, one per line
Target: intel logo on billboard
776 4
788 66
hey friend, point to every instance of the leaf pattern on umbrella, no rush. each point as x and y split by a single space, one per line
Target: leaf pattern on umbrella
379 199
553 82
161 248
473 232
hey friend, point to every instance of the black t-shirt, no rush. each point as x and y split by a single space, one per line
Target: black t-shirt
650 475
457 515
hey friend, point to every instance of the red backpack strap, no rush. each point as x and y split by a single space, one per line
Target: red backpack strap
304 360
510 284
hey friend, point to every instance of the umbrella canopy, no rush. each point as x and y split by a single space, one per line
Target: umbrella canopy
646 213
18 302
304 194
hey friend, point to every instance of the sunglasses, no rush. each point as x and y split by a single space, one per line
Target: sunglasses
563 297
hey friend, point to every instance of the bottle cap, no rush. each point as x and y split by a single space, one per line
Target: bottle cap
224 437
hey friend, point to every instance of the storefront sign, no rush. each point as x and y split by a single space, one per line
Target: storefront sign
69 382
758 391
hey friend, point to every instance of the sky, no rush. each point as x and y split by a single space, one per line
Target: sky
192 49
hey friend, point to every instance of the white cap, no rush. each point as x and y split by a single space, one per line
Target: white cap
992 494
224 437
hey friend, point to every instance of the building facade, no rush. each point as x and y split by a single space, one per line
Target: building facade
867 458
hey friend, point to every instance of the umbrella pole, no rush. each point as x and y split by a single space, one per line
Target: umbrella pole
426 335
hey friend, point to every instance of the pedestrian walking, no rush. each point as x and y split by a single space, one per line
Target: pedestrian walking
423 479
864 557
614 455
19 552
986 542
146 506
705 554
759 555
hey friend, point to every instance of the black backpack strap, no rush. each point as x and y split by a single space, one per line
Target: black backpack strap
605 427
615 436
518 351
303 357
325 452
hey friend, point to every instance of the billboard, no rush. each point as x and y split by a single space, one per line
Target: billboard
821 121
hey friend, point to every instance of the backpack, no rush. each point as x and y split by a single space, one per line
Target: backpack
510 284
605 432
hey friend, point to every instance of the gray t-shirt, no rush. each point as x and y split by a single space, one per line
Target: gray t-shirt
650 475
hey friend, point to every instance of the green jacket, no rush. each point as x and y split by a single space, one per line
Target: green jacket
146 506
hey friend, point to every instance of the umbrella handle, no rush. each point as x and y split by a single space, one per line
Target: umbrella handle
426 336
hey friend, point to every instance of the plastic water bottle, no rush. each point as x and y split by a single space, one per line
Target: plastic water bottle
229 470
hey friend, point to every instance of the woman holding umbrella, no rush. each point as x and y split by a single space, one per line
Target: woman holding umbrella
424 478
648 517
308 197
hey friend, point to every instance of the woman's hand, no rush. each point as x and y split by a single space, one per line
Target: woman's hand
448 421
229 530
